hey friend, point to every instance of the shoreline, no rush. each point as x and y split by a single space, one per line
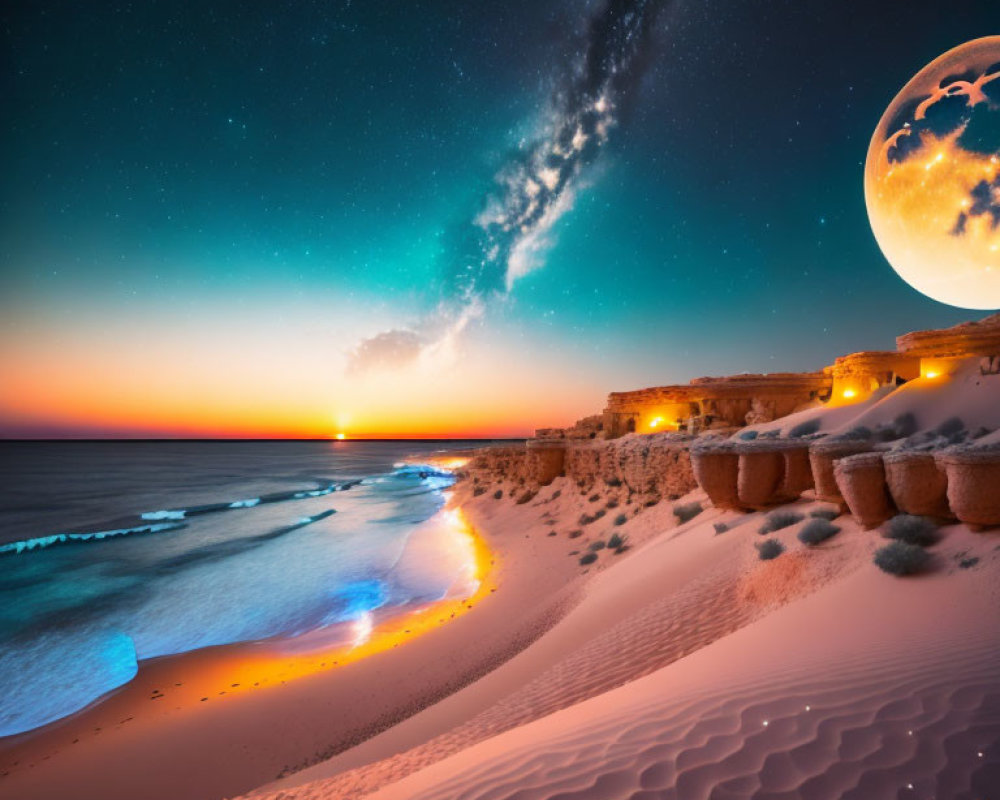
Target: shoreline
162 708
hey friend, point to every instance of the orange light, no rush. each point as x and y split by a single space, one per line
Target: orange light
655 421
931 375
341 436
849 393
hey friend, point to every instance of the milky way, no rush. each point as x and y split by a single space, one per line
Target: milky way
508 236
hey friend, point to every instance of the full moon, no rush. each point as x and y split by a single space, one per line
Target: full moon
932 178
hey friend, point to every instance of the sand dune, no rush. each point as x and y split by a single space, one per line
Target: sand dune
847 693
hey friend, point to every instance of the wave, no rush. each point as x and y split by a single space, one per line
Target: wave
41 542
229 505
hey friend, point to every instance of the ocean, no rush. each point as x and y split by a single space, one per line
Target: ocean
116 552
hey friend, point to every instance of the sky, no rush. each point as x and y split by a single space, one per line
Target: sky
436 218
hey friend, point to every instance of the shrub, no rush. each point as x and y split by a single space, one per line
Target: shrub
498 494
817 530
807 428
778 519
593 498
585 519
526 497
965 563
576 534
552 533
720 527
598 545
652 501
616 541
857 432
770 549
612 503
900 558
556 493
588 558
950 427
686 512
825 513
479 490
599 513
912 530
621 519
748 436
613 481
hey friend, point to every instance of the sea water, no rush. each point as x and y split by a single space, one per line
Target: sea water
115 552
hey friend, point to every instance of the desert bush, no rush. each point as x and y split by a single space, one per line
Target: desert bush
479 490
526 497
817 530
807 428
616 541
950 427
588 558
652 501
575 534
552 533
912 530
585 519
857 432
778 519
748 436
825 513
621 519
613 481
612 502
593 498
900 558
598 545
556 493
599 513
686 512
498 494
770 549
966 563
720 527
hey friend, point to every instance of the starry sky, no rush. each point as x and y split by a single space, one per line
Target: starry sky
436 218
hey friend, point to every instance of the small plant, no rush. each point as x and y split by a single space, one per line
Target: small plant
720 527
778 519
588 558
557 493
598 545
552 533
966 563
652 501
807 428
817 530
912 530
528 496
900 558
576 534
825 513
612 503
902 426
858 432
616 542
498 494
613 481
599 513
621 519
585 519
593 498
479 490
748 436
770 549
686 512
950 427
